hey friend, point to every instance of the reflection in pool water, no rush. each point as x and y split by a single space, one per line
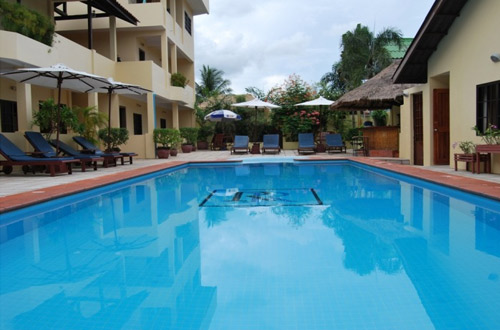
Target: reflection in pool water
376 252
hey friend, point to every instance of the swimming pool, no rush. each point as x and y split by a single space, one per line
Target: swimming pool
254 246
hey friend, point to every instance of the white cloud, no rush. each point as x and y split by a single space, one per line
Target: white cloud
260 43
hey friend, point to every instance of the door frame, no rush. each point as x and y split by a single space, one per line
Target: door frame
441 126
418 128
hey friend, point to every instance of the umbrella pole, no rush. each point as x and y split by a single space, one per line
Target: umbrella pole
59 82
109 120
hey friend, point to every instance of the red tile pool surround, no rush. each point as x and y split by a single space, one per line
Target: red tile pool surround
16 201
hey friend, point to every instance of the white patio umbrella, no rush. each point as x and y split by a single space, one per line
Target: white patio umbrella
58 76
316 102
116 87
255 103
222 115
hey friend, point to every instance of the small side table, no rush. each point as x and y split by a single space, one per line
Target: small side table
255 149
472 159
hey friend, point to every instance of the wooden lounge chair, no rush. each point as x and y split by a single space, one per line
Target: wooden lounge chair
334 143
89 148
70 151
306 143
44 150
240 144
16 157
271 143
218 142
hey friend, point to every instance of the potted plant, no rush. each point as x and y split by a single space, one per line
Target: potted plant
174 139
178 80
46 118
467 147
379 117
160 137
18 18
190 135
115 138
203 133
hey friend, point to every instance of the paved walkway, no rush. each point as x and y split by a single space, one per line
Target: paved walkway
18 189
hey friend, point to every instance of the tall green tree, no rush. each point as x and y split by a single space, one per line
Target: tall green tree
212 83
364 54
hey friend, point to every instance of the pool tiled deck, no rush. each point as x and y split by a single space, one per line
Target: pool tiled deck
19 190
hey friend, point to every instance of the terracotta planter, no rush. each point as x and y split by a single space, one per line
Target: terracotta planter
202 145
493 148
186 148
173 152
255 149
162 153
320 147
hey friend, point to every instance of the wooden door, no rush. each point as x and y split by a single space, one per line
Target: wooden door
441 117
418 131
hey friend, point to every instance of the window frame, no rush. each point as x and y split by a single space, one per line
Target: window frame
9 116
487 105
188 23
138 124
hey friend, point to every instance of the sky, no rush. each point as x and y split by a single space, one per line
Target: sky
260 43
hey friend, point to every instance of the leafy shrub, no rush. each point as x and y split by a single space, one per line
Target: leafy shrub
46 117
178 79
190 134
17 18
117 137
379 117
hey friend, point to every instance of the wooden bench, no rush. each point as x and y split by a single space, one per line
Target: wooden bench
472 159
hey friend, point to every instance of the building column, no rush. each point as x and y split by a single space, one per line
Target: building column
150 126
173 58
113 52
24 107
175 115
164 51
115 112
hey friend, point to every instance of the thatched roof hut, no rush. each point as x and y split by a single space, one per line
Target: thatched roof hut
378 92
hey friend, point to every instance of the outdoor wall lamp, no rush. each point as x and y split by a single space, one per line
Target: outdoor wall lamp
495 57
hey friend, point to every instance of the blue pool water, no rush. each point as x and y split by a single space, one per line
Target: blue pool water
254 246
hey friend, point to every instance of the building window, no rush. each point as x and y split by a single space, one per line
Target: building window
488 105
137 124
123 117
8 116
163 123
142 55
187 22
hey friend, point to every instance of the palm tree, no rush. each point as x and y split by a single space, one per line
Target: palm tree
363 56
212 83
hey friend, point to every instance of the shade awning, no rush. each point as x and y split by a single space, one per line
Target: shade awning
108 8
379 92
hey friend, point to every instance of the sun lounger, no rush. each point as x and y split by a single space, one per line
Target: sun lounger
334 143
218 142
271 143
70 151
306 143
92 149
44 150
240 144
16 157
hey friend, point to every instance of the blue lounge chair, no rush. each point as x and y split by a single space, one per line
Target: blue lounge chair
15 157
90 148
306 143
70 151
240 144
334 142
271 143
43 149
